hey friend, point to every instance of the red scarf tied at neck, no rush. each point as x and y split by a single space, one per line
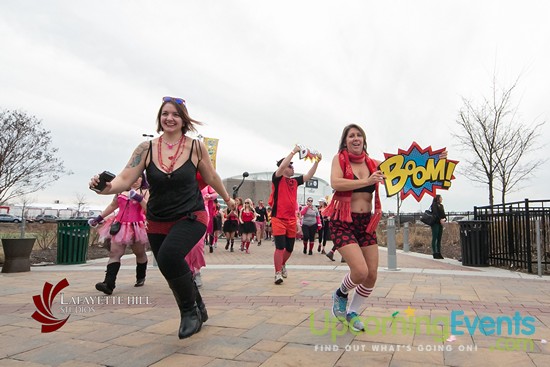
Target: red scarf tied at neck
340 205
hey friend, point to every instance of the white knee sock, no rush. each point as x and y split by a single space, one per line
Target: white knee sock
347 285
361 294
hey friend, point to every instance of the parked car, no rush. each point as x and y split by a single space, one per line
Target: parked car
8 218
45 218
457 218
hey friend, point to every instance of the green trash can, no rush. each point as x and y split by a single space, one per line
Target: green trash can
72 241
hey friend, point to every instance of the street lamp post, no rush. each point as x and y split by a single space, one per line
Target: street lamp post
236 188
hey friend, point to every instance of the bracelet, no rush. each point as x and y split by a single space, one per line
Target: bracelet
138 198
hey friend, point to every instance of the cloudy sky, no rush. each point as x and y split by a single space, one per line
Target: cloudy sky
265 75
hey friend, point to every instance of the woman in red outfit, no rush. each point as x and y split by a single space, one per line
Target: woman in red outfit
247 219
355 179
230 225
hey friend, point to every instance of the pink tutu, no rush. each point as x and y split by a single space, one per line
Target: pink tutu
130 233
195 257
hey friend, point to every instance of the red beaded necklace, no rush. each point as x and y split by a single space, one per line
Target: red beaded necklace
170 146
173 158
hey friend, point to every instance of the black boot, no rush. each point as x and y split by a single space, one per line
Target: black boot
200 304
108 284
141 270
185 294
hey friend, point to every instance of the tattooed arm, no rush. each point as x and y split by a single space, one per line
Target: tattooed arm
131 172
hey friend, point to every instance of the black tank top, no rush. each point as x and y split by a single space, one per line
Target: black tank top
173 196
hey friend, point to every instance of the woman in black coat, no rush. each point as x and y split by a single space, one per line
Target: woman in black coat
437 228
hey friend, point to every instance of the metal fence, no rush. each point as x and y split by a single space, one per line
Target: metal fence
512 233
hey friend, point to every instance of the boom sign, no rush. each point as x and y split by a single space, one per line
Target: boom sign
416 172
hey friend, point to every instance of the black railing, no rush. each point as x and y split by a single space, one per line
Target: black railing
415 217
512 233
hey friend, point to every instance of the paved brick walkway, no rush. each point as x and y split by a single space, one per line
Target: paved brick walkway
256 323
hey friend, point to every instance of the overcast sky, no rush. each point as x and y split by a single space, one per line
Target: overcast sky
265 75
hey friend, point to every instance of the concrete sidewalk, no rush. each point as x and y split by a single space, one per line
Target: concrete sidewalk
254 322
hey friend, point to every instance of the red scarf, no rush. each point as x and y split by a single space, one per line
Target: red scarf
340 205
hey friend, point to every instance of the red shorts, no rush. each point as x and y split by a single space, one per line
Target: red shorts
260 226
344 233
283 227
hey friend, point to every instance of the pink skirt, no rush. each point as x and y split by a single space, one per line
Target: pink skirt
130 233
195 257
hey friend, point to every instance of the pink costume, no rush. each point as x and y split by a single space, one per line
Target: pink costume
132 219
210 206
195 257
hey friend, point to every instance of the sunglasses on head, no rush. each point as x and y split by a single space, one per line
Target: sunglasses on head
173 99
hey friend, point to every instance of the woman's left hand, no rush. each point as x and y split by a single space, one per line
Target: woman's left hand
376 177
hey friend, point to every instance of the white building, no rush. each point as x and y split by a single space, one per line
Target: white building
257 186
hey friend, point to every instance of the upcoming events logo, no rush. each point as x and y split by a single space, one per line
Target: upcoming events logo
441 328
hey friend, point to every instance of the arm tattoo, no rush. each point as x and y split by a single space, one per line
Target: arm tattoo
135 160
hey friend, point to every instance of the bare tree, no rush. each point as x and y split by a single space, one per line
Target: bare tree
25 203
499 142
511 170
28 161
81 203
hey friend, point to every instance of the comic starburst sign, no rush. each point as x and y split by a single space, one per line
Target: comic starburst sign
417 171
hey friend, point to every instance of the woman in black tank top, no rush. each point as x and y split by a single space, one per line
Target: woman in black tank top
175 206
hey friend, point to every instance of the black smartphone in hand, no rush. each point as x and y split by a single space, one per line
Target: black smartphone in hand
104 177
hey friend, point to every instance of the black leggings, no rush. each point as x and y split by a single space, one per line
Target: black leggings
324 234
284 243
170 249
308 232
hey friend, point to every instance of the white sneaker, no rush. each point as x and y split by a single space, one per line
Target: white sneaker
354 322
198 280
284 272
278 278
